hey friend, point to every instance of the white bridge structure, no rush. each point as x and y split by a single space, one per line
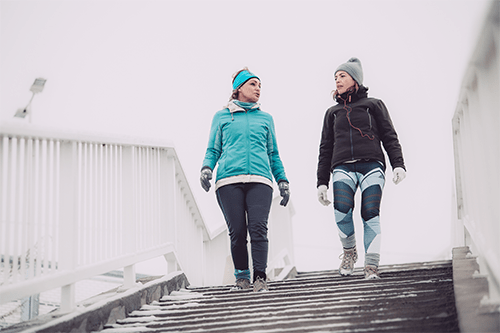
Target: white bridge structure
77 205
476 139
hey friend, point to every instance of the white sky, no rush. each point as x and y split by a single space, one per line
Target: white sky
163 68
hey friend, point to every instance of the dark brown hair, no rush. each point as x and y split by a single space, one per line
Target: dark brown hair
234 93
335 92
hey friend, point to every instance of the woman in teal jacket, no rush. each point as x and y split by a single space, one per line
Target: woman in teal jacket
243 144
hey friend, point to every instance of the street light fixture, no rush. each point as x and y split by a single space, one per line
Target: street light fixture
36 88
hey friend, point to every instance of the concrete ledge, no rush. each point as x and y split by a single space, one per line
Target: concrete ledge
106 308
470 288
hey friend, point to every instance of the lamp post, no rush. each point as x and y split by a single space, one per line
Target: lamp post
36 87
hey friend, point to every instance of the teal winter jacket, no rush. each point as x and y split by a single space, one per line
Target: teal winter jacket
243 143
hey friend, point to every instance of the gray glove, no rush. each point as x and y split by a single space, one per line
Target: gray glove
205 177
284 192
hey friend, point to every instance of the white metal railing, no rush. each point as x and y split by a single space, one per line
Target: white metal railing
75 205
476 124
281 248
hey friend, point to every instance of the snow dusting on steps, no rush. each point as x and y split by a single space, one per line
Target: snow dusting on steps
417 297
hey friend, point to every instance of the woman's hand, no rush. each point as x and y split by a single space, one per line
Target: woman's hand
398 175
205 177
323 195
284 192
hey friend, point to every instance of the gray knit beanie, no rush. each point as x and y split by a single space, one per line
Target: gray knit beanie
353 68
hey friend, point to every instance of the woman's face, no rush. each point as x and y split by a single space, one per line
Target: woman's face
343 81
249 91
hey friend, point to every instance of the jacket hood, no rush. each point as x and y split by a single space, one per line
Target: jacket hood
233 107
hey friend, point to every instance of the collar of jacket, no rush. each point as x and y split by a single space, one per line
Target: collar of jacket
355 96
233 107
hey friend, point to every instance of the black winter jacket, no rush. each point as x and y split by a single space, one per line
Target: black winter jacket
354 130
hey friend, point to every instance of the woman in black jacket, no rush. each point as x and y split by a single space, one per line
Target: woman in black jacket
350 149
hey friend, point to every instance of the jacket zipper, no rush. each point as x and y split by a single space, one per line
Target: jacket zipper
350 136
352 146
248 141
369 117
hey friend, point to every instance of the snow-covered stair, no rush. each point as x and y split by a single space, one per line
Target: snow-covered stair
414 297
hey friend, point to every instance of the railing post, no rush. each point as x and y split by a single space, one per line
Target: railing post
171 199
68 244
129 201
129 276
68 298
172 265
458 232
169 189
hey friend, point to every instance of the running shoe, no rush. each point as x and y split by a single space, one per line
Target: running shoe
260 285
371 272
349 258
241 284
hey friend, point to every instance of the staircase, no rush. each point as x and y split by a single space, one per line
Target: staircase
415 297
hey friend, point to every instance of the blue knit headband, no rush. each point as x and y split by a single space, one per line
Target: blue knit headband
243 77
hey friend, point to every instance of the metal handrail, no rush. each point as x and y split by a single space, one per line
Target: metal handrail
476 154
74 205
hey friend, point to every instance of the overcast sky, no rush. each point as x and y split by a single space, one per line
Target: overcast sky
163 68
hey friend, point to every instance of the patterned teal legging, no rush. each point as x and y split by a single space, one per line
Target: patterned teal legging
370 178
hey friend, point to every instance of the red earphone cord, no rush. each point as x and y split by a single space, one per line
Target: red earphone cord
349 109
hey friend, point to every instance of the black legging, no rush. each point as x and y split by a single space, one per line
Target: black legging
246 207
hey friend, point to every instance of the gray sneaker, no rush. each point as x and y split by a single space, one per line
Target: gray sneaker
371 272
241 284
349 258
260 285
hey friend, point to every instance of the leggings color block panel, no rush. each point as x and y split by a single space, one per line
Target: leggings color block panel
370 178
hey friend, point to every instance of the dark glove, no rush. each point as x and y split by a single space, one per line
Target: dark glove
284 192
205 177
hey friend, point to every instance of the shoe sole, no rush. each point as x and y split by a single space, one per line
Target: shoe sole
239 288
